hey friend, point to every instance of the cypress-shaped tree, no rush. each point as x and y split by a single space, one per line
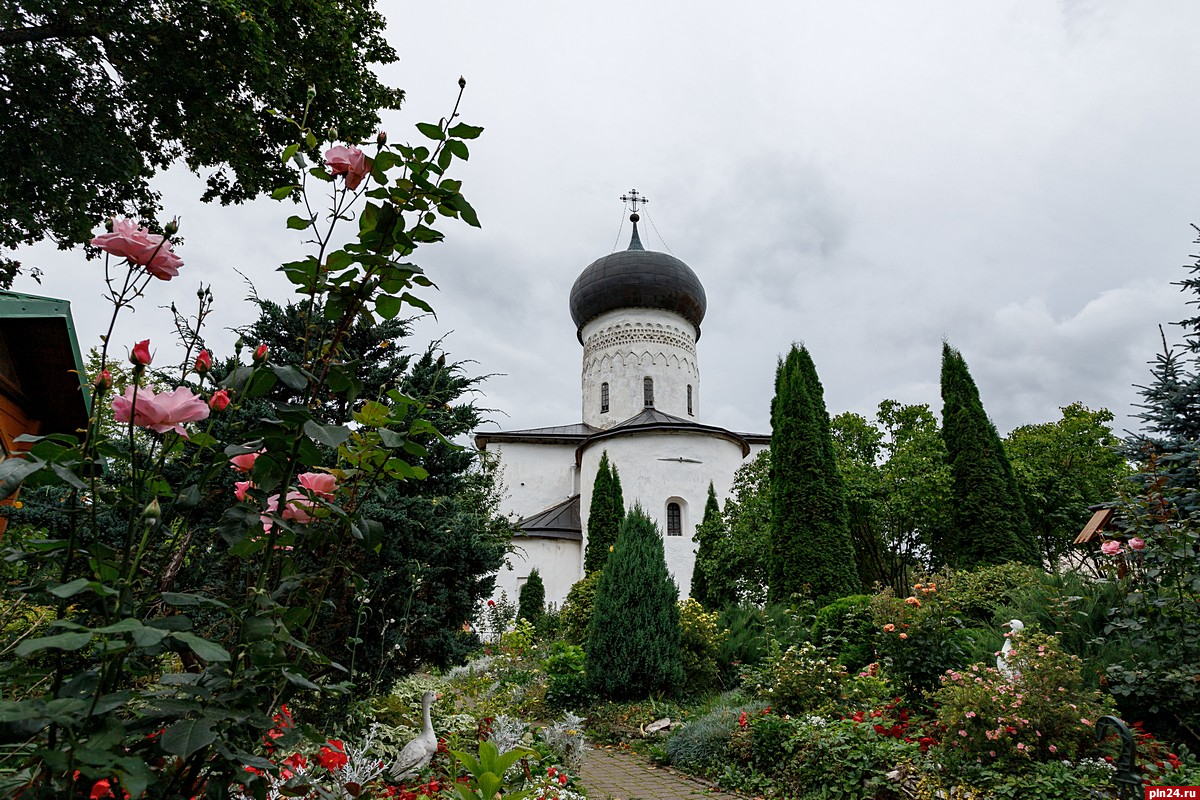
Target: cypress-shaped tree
605 513
531 601
989 525
810 534
708 533
633 639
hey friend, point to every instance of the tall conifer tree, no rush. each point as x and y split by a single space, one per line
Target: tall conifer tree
531 601
605 513
988 515
810 535
633 639
710 530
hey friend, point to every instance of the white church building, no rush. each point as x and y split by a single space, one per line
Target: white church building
637 314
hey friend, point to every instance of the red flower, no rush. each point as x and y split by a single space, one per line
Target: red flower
141 357
102 788
333 758
203 362
296 761
261 352
219 400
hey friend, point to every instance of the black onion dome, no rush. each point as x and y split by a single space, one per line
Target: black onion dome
637 278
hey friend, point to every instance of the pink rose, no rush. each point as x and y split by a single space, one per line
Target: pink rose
297 507
347 161
244 462
321 484
240 488
141 356
1137 543
1110 548
141 247
160 412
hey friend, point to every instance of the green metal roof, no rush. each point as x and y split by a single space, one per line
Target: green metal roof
39 334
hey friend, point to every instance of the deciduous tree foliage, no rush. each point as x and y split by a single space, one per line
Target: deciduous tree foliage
633 639
1062 467
811 550
897 489
605 513
987 512
98 97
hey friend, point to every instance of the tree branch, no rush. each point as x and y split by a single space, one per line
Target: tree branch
41 33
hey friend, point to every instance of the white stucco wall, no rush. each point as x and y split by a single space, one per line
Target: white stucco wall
622 348
653 483
557 561
535 476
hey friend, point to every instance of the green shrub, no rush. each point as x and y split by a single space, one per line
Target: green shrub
800 680
918 641
566 677
633 640
702 745
841 759
577 609
845 629
531 600
699 647
979 593
1043 715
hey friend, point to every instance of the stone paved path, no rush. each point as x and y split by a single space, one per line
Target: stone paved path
623 775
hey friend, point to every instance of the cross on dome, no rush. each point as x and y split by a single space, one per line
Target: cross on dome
633 198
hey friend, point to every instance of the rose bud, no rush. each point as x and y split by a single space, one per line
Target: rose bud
102 382
203 362
381 138
219 400
141 357
261 352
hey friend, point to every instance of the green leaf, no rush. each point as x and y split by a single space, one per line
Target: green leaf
292 377
458 148
372 414
328 435
300 680
431 131
464 131
13 471
68 476
186 736
209 651
71 588
283 191
288 152
61 641
182 600
387 306
298 223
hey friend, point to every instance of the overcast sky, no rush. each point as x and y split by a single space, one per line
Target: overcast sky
866 178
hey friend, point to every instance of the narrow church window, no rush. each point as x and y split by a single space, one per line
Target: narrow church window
648 392
604 398
690 414
674 520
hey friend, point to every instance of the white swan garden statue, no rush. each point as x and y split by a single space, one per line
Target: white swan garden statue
416 754
1015 626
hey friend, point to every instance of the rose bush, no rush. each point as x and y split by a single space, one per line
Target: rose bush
134 686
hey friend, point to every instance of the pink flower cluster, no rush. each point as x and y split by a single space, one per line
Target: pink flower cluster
349 162
298 505
141 247
159 412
